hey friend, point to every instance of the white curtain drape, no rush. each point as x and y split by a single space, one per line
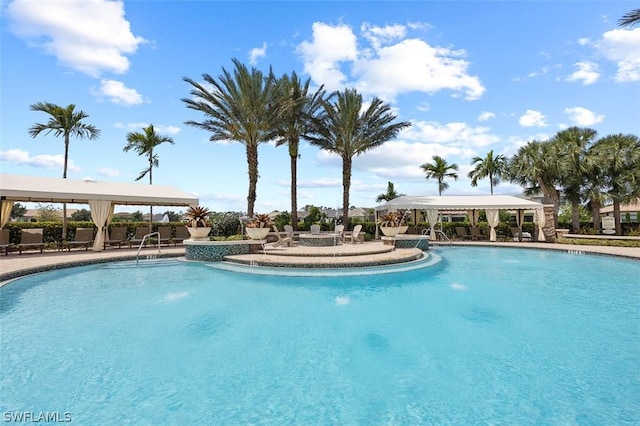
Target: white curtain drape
106 225
474 215
432 217
5 213
541 222
100 211
493 218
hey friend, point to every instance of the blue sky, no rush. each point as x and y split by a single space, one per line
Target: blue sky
470 76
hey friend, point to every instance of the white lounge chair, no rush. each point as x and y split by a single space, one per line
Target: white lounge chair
354 236
282 238
315 229
608 225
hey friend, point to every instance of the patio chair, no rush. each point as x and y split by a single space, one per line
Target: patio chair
354 236
608 225
117 236
519 235
83 238
141 231
182 233
165 234
4 240
31 239
339 230
462 232
477 235
315 229
282 238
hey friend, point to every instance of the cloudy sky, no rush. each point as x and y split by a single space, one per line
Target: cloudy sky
470 77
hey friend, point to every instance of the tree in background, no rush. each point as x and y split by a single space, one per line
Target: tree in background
297 107
630 19
144 143
493 167
240 107
18 211
440 170
347 129
65 122
389 195
47 213
82 215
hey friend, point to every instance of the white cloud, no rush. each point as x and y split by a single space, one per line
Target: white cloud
587 73
45 161
583 41
582 116
532 118
391 65
159 128
91 36
621 46
118 93
256 53
109 172
322 56
486 116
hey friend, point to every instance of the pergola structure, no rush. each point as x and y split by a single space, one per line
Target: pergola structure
101 197
472 204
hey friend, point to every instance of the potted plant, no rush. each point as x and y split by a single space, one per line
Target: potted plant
259 227
392 223
197 223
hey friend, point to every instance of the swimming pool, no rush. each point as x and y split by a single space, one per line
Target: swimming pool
488 335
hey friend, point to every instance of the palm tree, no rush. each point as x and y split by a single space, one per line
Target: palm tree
297 107
620 160
495 168
389 195
347 129
65 122
572 145
535 167
440 170
240 106
144 144
629 19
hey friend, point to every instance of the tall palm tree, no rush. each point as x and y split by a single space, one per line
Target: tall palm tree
495 168
620 160
144 144
629 19
347 129
240 106
389 195
572 145
440 170
65 122
535 166
297 106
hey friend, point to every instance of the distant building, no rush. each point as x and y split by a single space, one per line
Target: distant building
628 212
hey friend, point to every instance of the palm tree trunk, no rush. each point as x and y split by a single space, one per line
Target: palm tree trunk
595 211
616 214
64 176
346 185
252 160
294 192
151 183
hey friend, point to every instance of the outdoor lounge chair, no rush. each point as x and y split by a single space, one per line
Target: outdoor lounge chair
141 231
31 239
4 240
354 236
117 236
339 230
477 235
182 233
165 234
315 229
461 231
282 238
83 238
518 235
608 225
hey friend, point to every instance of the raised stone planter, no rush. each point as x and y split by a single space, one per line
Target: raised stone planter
215 251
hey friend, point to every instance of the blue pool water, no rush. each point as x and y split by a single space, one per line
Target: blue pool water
487 336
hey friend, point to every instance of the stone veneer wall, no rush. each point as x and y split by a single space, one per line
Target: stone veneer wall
210 251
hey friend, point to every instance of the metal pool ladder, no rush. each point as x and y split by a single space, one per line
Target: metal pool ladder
142 244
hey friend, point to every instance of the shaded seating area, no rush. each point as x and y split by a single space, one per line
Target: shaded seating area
83 238
462 232
117 236
31 239
141 231
4 240
165 234
182 233
477 235
519 235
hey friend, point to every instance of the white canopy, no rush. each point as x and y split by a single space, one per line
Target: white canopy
461 202
101 197
469 203
57 190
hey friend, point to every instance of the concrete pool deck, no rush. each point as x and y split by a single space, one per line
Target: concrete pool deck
15 265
